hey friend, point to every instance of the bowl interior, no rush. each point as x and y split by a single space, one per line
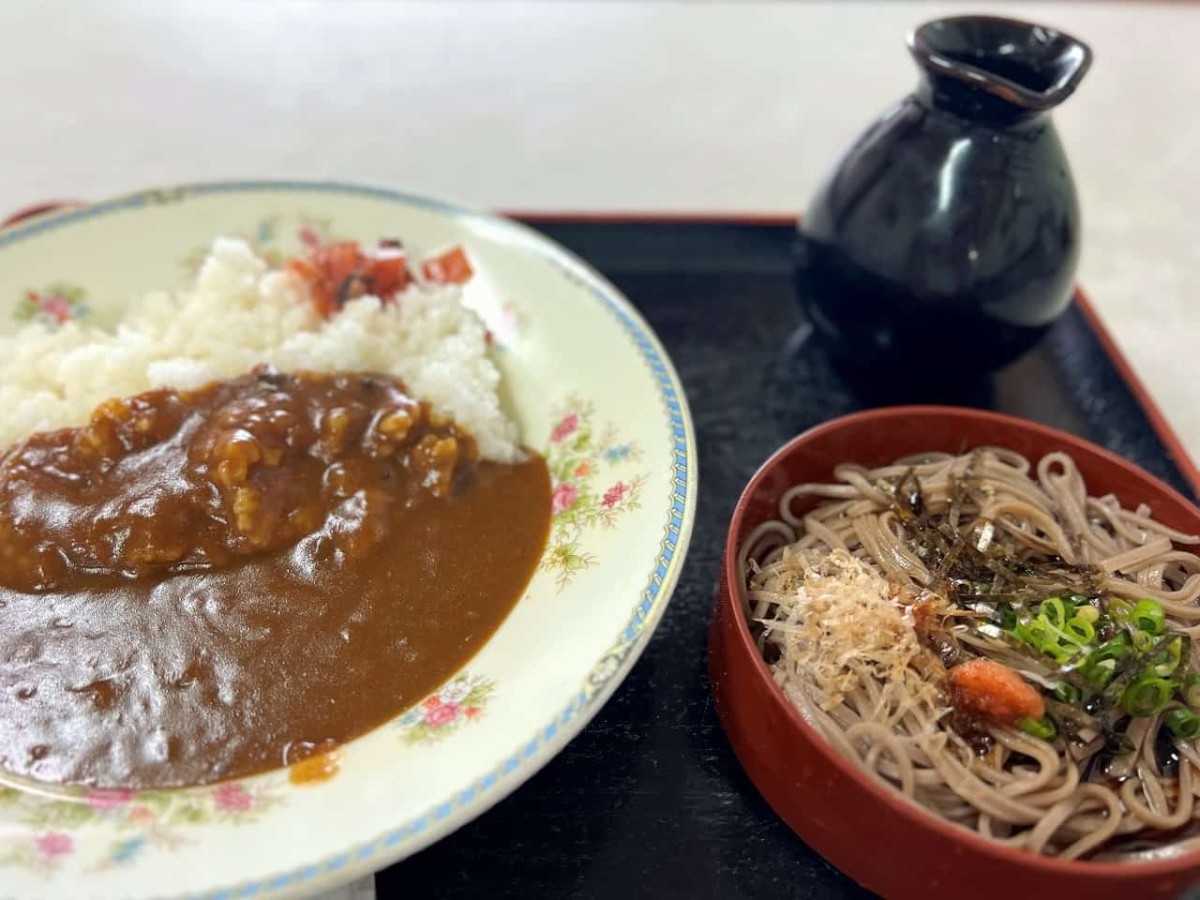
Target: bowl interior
874 438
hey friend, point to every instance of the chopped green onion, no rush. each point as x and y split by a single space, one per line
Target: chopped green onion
1148 616
1101 664
1068 693
1054 612
1061 655
1117 648
1079 630
1191 690
1143 641
1088 613
1039 634
1058 639
1120 610
1043 728
1183 723
1100 673
1148 695
1169 655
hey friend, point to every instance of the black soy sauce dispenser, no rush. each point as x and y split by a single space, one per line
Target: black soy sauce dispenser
945 242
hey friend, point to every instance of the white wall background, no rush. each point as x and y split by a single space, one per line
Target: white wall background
736 107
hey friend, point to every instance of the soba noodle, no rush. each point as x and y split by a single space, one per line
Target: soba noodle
985 540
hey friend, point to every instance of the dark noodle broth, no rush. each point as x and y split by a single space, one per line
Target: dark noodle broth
1009 652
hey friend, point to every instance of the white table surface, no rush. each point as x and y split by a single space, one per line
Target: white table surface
619 106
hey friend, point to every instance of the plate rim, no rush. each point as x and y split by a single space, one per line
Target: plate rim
518 764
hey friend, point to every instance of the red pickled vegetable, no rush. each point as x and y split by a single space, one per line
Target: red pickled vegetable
387 272
337 273
451 267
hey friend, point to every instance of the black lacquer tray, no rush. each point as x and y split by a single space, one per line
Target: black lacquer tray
649 801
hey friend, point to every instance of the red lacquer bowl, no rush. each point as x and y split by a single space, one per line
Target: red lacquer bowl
858 823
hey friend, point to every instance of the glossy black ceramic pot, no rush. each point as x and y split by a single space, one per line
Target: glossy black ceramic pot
946 239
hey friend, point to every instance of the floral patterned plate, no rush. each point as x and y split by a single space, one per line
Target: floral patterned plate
590 387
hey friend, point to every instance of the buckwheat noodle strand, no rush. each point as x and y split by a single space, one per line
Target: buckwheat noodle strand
879 696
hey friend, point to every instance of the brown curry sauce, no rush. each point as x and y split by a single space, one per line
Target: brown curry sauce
203 585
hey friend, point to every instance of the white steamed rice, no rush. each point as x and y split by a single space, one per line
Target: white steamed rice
240 314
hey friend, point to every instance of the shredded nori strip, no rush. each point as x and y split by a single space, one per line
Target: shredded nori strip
964 573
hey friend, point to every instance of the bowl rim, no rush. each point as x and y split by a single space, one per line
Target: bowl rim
910 811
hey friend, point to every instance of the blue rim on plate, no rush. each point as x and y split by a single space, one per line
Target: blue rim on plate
610 669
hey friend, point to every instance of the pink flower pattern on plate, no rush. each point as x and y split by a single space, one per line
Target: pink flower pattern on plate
565 428
53 305
108 798
309 236
232 797
563 498
158 819
615 494
578 452
442 714
458 701
53 844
